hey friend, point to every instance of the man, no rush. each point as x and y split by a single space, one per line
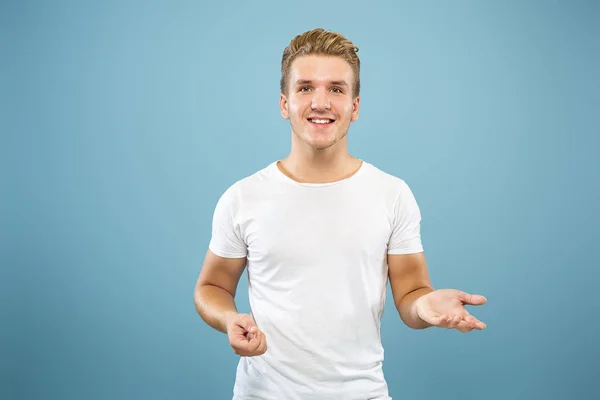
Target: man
320 233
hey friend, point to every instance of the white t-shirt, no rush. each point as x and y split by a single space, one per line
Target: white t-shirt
317 273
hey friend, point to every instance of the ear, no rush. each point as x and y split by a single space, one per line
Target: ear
355 108
283 106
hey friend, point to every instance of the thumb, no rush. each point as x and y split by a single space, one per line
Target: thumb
248 324
473 299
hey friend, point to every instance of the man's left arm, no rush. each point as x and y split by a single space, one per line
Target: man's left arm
409 280
420 305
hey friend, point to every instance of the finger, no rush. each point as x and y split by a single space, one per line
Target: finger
475 323
446 321
250 327
454 322
440 320
245 347
262 348
256 346
473 299
459 321
464 326
255 337
251 333
246 322
240 347
238 332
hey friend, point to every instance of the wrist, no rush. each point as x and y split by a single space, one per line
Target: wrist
228 318
416 308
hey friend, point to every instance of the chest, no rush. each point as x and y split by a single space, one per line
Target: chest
324 231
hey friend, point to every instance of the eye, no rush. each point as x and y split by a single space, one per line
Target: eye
304 89
336 90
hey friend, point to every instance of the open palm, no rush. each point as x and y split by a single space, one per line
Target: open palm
445 308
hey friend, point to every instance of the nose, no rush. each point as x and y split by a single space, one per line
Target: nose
320 101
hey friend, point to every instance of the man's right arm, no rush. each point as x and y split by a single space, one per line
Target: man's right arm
214 300
216 287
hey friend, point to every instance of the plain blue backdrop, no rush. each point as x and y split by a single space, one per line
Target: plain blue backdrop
124 121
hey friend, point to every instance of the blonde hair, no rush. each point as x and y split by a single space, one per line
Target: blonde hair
320 41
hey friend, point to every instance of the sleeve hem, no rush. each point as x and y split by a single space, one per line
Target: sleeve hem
226 254
411 250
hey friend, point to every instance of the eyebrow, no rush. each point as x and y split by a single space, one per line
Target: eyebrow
309 82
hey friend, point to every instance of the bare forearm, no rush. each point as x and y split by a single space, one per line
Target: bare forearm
408 313
215 305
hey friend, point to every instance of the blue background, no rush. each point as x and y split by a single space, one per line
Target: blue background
123 122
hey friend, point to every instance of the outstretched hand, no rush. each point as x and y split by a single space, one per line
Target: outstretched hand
445 308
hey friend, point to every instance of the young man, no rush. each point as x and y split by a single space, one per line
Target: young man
320 233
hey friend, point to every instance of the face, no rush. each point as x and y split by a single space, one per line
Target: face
320 103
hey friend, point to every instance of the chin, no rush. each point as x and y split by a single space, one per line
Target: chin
318 141
321 145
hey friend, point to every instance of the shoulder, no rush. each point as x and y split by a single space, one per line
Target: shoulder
392 184
248 186
400 200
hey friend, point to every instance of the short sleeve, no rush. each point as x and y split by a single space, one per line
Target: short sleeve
226 240
406 232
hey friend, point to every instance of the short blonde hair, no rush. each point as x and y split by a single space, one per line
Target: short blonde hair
320 41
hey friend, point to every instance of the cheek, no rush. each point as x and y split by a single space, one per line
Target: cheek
293 109
296 110
345 109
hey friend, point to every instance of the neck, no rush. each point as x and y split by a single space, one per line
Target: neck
308 165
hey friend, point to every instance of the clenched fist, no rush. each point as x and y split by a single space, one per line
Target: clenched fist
244 336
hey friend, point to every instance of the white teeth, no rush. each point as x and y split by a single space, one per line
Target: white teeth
320 121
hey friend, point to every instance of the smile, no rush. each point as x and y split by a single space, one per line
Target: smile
321 121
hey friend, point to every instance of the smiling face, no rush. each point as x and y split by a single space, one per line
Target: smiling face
320 102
